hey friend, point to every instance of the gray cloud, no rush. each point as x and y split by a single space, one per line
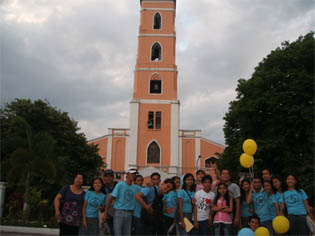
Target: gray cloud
80 55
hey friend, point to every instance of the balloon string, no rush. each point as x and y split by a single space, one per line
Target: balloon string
251 172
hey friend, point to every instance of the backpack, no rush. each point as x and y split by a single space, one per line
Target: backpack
157 206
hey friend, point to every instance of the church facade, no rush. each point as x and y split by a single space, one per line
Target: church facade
154 140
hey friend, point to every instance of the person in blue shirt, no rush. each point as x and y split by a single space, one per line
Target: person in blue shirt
278 186
124 195
185 201
272 209
94 201
169 210
295 199
155 209
137 222
246 210
260 201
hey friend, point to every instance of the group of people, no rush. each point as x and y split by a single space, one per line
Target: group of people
209 204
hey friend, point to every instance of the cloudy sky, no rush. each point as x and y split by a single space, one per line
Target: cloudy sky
80 55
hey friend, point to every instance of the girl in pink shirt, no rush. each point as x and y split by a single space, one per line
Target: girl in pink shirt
223 207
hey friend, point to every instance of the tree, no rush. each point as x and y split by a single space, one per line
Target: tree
25 125
275 107
33 156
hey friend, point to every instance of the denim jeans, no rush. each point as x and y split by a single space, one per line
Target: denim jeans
222 229
122 222
183 231
298 225
203 227
268 225
138 227
92 227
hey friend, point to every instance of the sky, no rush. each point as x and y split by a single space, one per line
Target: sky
80 55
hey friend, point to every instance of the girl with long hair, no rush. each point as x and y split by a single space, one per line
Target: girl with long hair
278 187
295 199
185 201
94 201
223 206
246 209
271 206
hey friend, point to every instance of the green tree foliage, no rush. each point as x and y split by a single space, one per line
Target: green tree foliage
39 139
275 107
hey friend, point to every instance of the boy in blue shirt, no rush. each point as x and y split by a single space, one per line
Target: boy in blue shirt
260 201
124 195
153 204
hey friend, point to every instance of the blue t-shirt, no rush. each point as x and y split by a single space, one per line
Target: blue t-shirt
260 201
93 202
271 206
138 207
124 195
277 197
170 202
245 209
294 200
149 194
187 204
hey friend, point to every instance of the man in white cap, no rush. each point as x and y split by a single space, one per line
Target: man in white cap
124 195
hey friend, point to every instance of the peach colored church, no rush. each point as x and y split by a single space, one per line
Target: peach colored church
154 141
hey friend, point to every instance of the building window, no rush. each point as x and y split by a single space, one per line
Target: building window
157 21
151 120
155 86
156 52
158 120
153 153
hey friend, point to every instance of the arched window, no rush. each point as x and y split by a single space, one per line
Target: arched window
156 52
156 84
153 153
157 21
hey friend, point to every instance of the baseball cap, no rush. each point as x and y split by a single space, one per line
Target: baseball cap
109 172
132 170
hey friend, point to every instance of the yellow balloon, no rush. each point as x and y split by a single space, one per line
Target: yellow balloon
246 160
250 147
262 231
281 224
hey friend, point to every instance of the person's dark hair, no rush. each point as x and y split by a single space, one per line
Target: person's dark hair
272 188
175 177
257 177
226 170
297 185
170 181
243 194
205 178
193 187
138 176
269 170
226 197
200 171
97 178
282 183
83 177
254 217
155 174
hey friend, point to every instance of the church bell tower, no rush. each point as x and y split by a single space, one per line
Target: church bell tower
154 108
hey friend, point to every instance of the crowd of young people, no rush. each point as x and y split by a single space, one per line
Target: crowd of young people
213 205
